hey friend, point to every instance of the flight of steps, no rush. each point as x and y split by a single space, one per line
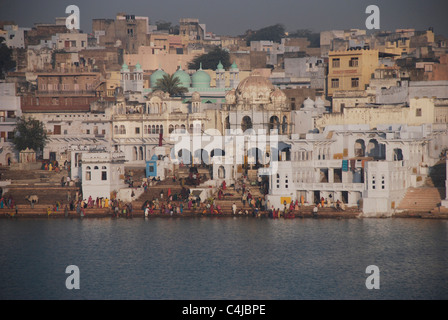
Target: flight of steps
428 197
421 199
231 196
45 184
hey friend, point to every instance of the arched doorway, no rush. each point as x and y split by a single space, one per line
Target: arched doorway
201 157
246 123
184 156
285 152
254 158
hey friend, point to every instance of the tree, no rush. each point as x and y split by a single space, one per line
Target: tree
171 85
271 33
29 133
163 25
6 62
313 37
211 59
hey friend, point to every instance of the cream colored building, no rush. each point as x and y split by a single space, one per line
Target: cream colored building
351 69
420 111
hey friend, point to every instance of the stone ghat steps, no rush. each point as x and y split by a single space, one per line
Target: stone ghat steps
154 192
420 199
26 175
138 213
47 194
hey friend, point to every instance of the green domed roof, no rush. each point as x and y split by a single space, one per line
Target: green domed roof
220 66
156 75
124 67
201 79
184 77
233 66
138 66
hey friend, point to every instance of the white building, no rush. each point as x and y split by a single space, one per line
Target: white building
15 37
9 112
102 174
358 166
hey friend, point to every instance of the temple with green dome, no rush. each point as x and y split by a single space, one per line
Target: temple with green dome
199 82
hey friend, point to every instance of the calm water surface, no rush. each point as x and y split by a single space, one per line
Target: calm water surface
212 258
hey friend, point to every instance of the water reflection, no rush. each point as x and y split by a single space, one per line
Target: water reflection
242 258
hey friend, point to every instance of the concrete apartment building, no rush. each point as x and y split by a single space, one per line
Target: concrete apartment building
192 29
127 30
350 69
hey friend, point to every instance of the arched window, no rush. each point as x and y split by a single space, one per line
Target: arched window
157 129
115 129
140 153
171 128
285 125
360 148
221 172
274 123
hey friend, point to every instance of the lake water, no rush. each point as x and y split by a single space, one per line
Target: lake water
223 258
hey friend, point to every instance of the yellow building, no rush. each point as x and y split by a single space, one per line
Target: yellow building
350 70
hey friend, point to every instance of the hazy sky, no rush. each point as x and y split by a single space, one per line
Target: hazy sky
233 17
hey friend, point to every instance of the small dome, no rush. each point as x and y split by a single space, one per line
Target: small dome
220 66
124 67
156 75
184 78
234 66
278 96
201 79
138 67
255 89
308 103
320 103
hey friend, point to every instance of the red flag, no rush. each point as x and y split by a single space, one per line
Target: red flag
169 192
160 139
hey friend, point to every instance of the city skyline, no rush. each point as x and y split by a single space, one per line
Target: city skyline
235 17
